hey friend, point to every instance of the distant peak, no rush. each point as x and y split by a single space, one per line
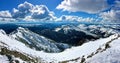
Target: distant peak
22 29
2 31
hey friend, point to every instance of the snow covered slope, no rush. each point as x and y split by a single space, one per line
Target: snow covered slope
83 50
83 53
36 41
110 55
107 53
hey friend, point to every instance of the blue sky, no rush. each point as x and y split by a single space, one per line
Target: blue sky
95 9
9 4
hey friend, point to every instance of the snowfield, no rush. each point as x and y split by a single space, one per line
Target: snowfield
3 59
111 54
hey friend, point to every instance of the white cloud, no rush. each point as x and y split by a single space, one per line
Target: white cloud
41 12
113 15
89 6
68 18
5 14
22 11
75 18
28 11
25 7
7 19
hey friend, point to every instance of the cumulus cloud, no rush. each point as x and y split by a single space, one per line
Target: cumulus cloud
28 11
113 15
5 14
7 19
41 12
75 18
22 11
88 6
68 18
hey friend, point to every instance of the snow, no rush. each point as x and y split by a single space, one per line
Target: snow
79 51
68 54
80 28
20 60
111 55
33 38
99 29
3 59
57 29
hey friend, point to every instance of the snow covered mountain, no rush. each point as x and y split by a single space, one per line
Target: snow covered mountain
36 41
99 51
82 33
66 29
99 30
71 35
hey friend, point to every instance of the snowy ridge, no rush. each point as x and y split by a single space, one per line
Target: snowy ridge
36 41
69 54
67 28
12 45
100 30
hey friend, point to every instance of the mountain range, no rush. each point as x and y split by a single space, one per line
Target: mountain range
61 44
